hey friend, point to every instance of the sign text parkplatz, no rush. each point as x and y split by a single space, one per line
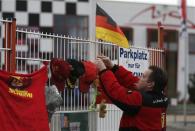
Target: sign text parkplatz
134 59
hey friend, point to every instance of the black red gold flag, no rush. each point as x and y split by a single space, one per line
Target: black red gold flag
108 30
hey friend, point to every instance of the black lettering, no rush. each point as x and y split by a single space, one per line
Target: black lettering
121 51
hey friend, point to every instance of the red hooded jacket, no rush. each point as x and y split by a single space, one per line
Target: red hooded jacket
142 111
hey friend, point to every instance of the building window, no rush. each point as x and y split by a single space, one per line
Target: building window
46 6
8 15
33 20
128 33
46 29
69 25
152 37
70 8
76 26
192 43
170 39
21 5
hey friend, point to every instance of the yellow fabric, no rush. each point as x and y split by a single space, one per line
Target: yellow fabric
111 36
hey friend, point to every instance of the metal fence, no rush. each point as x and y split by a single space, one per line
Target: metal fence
7 42
33 47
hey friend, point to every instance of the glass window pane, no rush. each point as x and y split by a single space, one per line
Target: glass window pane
192 43
76 26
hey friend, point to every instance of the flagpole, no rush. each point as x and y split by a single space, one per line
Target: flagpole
183 60
185 35
92 28
91 56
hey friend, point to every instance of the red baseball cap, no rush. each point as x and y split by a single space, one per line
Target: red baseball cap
60 71
88 77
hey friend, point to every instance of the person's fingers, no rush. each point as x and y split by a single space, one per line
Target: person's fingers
98 60
104 58
101 57
105 61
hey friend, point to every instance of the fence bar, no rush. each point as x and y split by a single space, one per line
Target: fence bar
13 46
7 44
10 43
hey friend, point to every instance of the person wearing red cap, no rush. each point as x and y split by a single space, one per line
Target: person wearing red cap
65 72
144 104
60 71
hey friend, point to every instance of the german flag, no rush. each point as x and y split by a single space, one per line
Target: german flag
108 30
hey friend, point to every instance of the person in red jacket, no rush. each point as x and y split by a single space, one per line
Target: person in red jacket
144 104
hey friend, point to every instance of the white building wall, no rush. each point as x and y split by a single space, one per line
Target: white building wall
140 36
122 13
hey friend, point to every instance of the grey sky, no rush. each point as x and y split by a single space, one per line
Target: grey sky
169 2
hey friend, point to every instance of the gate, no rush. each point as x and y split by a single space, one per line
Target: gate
31 48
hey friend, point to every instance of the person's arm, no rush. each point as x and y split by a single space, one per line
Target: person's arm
128 102
125 77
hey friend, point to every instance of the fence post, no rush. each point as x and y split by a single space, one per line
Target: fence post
160 36
6 45
13 46
161 43
10 45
